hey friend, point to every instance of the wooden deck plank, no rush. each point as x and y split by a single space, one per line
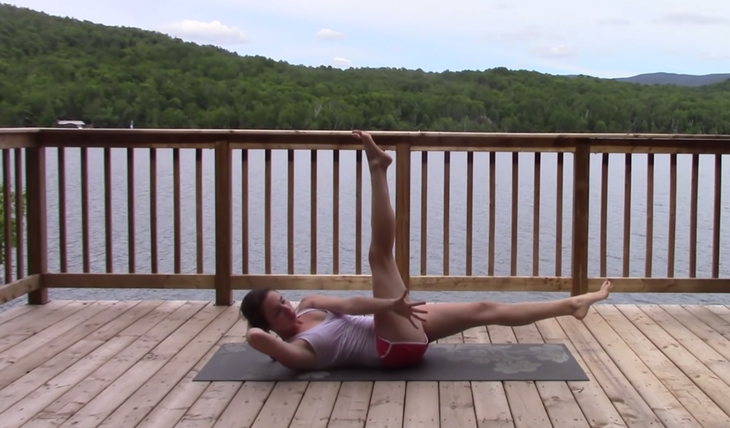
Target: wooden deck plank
29 324
27 313
131 364
524 400
491 406
559 402
351 406
456 402
143 315
716 388
316 406
103 382
169 365
281 405
631 406
61 352
15 312
669 409
184 395
708 317
595 404
697 403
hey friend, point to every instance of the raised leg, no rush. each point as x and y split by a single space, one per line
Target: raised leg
446 319
386 278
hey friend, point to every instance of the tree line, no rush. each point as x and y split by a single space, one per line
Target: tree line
59 68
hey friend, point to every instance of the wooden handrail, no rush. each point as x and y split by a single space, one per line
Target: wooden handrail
34 142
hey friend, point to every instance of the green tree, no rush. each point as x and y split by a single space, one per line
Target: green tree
13 221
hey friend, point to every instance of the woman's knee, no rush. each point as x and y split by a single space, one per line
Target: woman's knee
379 259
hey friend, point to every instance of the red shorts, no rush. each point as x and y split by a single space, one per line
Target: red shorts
400 354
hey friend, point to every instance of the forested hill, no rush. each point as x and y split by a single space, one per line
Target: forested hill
57 68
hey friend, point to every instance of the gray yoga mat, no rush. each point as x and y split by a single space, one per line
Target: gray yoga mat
442 362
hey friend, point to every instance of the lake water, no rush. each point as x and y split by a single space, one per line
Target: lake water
457 250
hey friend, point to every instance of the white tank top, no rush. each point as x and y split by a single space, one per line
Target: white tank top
342 340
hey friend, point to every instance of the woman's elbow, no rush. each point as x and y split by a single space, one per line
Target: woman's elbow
255 337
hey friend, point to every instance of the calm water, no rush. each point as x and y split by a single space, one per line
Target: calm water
457 219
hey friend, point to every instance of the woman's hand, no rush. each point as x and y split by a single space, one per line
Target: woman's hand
408 309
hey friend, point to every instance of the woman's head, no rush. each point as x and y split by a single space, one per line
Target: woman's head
268 310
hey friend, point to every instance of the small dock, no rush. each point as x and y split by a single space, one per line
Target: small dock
88 364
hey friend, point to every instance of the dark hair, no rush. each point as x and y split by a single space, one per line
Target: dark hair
252 308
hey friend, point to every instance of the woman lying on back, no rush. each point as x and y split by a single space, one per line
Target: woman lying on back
387 329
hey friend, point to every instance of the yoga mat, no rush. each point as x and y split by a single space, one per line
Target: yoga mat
442 362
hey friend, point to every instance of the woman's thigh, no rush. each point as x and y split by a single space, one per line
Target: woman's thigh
446 319
388 284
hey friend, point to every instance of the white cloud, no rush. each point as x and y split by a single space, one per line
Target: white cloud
213 32
341 62
327 34
614 22
553 52
714 56
691 18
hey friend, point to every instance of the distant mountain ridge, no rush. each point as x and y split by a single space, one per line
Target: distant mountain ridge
676 79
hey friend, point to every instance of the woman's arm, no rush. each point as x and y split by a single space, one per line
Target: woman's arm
290 356
357 305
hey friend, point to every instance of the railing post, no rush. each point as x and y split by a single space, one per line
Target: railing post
223 224
403 210
35 182
581 201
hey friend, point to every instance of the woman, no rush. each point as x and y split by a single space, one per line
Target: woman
387 329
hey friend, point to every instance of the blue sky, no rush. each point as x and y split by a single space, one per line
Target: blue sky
605 39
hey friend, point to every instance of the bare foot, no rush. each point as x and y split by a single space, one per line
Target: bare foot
582 303
376 156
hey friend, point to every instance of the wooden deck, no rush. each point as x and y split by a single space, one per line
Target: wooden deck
130 364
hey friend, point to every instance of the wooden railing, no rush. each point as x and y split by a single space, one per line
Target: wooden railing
39 161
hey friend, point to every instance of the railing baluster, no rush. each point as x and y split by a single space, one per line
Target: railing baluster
536 218
8 220
177 234
199 211
19 215
447 210
649 214
62 234
85 210
627 215
693 216
290 213
716 218
358 211
223 224
469 210
604 215
424 212
672 214
108 210
131 235
335 211
515 211
153 211
313 214
267 211
559 217
244 212
581 201
492 210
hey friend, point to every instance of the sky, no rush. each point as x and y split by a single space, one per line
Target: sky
604 38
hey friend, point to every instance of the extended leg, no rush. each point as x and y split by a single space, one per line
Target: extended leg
446 319
387 281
